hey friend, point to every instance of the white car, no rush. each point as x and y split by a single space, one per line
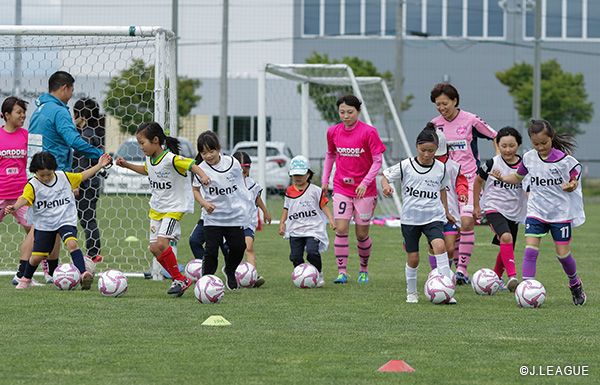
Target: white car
278 159
123 180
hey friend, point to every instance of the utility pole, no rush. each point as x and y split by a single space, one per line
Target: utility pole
223 127
398 75
536 108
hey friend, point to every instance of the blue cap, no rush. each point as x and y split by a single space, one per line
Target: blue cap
299 165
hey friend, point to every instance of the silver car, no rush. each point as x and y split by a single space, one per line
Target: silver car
123 180
278 159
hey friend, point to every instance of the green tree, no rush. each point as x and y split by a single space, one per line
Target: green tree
564 100
130 96
325 96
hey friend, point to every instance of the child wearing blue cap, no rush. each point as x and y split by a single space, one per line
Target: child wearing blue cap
304 216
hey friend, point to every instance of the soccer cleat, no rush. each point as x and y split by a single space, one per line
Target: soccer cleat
47 275
512 284
502 285
97 258
259 281
342 278
578 294
15 280
176 286
186 284
320 280
34 282
412 297
451 301
86 280
230 280
24 283
462 279
363 277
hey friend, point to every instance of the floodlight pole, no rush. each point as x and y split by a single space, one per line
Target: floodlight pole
536 108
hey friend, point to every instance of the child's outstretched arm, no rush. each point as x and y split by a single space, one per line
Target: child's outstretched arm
263 207
198 171
139 168
208 206
12 208
327 212
571 185
510 179
284 215
103 161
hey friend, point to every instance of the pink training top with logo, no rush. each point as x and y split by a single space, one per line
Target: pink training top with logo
13 163
461 134
354 151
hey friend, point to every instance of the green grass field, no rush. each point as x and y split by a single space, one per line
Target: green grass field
340 334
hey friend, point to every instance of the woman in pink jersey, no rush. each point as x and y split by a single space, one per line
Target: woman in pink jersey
462 129
13 169
357 150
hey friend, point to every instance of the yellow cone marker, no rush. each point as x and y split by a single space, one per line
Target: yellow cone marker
216 320
131 238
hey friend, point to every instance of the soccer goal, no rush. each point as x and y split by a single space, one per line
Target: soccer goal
296 105
130 72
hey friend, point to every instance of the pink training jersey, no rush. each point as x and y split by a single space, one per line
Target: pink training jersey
461 134
354 151
13 163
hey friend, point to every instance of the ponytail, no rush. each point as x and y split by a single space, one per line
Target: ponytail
150 130
563 142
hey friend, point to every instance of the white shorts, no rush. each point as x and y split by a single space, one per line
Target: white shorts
165 228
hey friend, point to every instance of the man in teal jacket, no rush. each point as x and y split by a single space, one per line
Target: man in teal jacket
51 127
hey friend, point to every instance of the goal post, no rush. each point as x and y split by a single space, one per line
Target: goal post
309 92
95 56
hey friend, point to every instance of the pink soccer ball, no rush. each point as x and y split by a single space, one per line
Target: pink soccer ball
437 272
112 283
485 282
246 274
439 289
305 276
530 293
209 289
193 269
66 276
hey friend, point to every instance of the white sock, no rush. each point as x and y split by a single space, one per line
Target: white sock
442 264
411 278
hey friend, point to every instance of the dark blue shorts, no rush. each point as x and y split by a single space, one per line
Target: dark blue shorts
412 234
561 231
449 228
248 232
43 241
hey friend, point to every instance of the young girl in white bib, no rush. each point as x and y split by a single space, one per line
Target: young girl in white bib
555 201
171 197
423 182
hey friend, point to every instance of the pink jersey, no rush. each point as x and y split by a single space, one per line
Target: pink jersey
354 151
461 134
13 163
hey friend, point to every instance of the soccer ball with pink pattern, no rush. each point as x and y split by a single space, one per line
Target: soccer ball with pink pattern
66 276
113 283
485 282
439 289
209 289
246 274
305 276
530 293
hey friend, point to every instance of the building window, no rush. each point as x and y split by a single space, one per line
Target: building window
242 128
480 19
565 20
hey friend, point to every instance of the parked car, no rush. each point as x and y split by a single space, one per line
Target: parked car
278 158
123 180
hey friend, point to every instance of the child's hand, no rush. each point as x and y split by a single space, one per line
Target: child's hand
205 179
105 160
477 212
332 224
209 207
9 209
388 191
569 186
463 198
450 218
325 188
76 192
497 174
121 162
267 218
282 229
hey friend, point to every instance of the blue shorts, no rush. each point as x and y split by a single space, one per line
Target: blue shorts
449 228
248 232
412 234
561 231
43 241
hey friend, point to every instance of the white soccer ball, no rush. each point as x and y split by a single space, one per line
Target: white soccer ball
485 282
246 274
437 272
209 289
530 293
66 276
193 269
112 283
90 265
439 289
305 276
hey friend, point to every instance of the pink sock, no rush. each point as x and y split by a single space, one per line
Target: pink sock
507 254
455 256
340 248
364 252
465 249
499 268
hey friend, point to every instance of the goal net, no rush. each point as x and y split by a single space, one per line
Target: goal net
130 73
298 101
